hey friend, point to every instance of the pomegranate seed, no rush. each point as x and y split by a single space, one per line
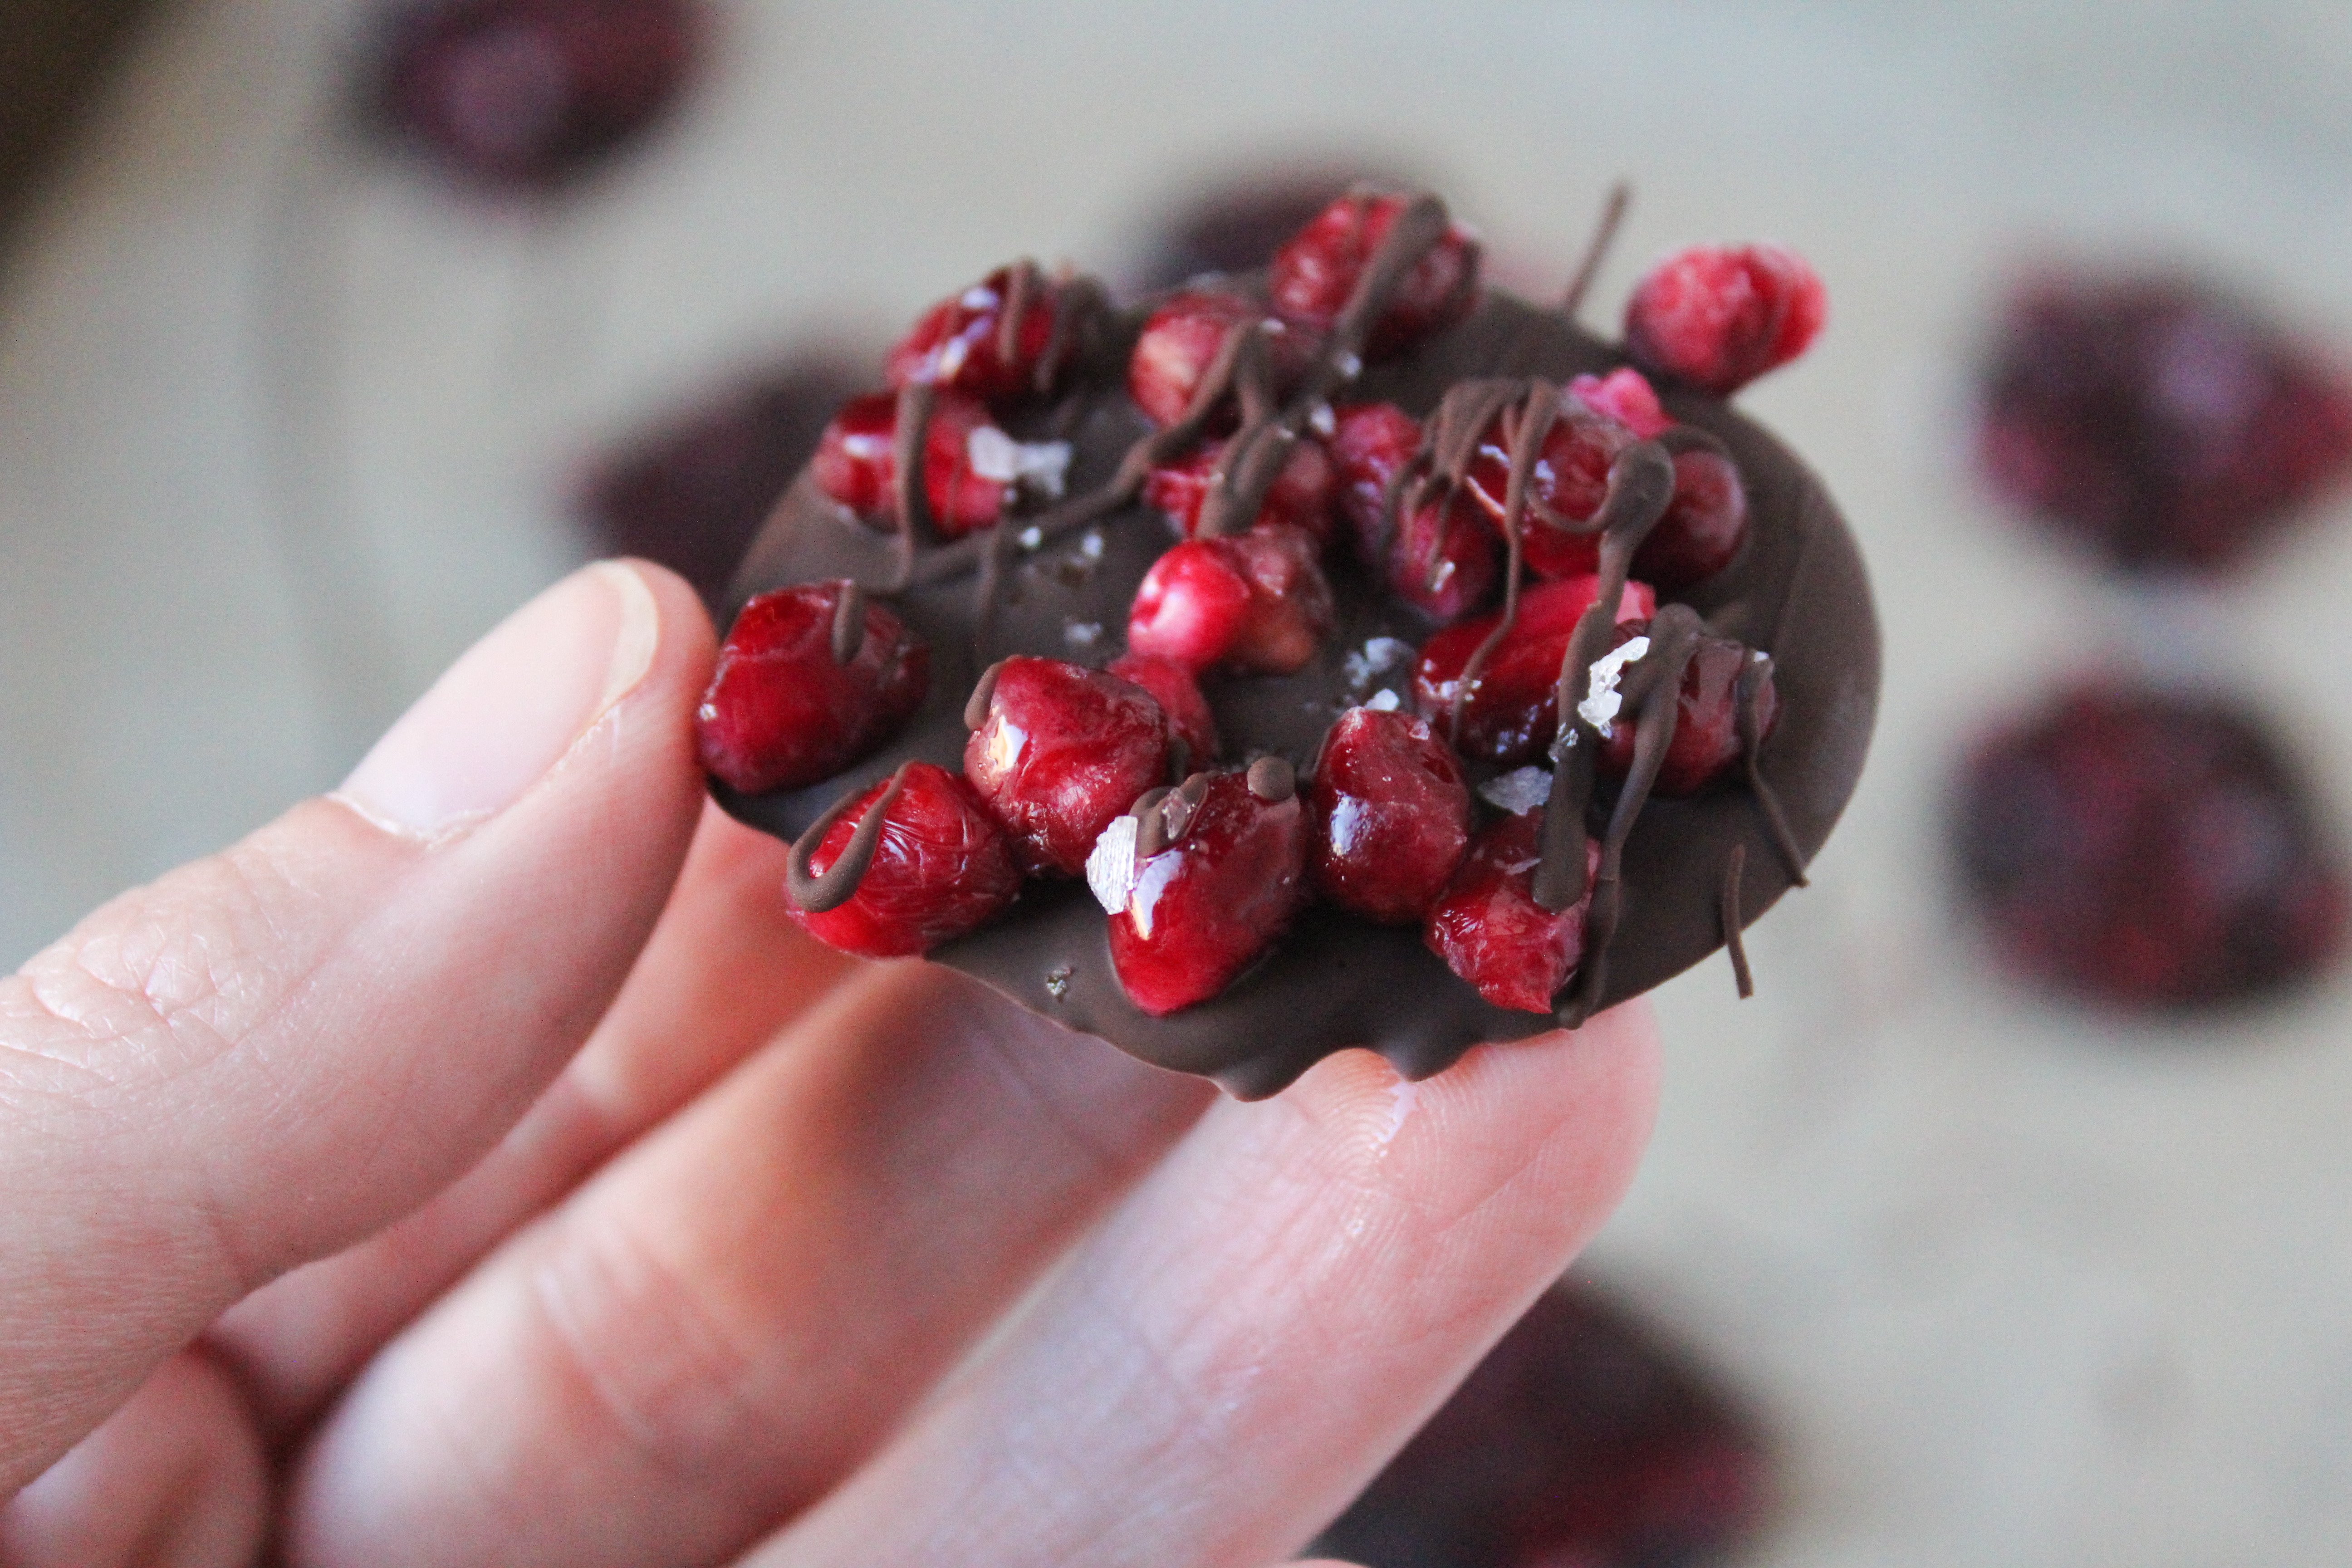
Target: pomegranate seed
1704 526
1719 316
1315 274
1179 696
1188 919
1445 559
1392 816
1059 751
1180 340
941 867
959 341
2146 850
1254 604
1569 479
783 712
853 463
1301 495
1489 928
1706 717
1371 443
1626 396
527 94
1511 713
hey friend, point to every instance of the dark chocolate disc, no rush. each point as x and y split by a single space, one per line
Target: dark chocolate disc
1797 592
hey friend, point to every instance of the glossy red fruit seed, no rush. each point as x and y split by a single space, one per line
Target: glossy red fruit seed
1510 715
1371 443
1301 495
1489 928
1445 560
1626 396
854 464
1060 750
1569 479
527 94
1252 604
1315 274
941 867
1201 910
959 342
1719 316
1706 717
1392 816
783 712
1182 339
1179 696
1703 527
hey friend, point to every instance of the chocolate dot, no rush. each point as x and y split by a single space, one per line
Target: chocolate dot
1271 780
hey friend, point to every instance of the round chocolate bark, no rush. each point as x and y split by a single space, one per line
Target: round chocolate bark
1797 590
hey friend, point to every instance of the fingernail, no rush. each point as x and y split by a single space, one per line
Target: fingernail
501 716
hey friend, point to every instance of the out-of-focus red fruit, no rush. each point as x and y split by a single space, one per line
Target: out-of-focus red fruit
1180 341
1491 931
1569 479
1061 751
855 466
1193 916
941 867
1301 495
1315 274
1703 528
782 712
1718 317
1706 717
1252 604
1626 396
961 340
1179 696
1371 443
1446 559
1392 816
1510 715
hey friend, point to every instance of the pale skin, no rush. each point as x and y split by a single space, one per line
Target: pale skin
474 1166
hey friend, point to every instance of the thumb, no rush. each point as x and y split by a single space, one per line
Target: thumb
270 1053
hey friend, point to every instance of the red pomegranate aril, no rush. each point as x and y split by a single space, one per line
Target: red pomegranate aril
1315 274
1301 495
1569 479
1716 317
941 867
1511 715
1063 750
855 464
1371 443
1703 527
1489 928
959 342
1201 910
1252 604
1626 396
783 714
1181 339
1179 696
1706 717
1392 816
1445 560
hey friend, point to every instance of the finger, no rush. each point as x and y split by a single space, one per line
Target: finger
731 1317
724 972
274 1052
1263 1322
173 1479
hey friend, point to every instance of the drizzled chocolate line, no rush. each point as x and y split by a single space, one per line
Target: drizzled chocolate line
1020 292
1748 697
1734 941
848 621
1162 815
984 695
910 438
1612 214
815 893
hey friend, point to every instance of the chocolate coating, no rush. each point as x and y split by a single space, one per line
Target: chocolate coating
1797 591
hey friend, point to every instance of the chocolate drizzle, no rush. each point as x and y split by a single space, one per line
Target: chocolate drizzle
1741 975
819 892
1604 233
848 622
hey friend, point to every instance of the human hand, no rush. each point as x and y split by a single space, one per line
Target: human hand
326 1237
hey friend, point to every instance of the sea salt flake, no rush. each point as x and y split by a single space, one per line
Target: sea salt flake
1082 634
1518 791
1110 864
993 455
1384 701
1602 700
1379 654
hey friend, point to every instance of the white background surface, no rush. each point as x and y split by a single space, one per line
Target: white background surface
282 428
